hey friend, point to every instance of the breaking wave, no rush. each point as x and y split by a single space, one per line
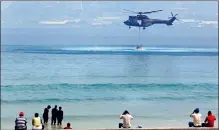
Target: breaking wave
106 92
123 50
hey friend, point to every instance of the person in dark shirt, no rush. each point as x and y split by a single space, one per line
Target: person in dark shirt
54 115
21 122
68 126
46 115
60 116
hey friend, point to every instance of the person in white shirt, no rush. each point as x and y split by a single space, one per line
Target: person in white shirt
196 116
127 117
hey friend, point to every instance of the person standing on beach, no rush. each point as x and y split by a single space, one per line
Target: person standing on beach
60 116
209 120
46 115
21 122
37 122
127 117
54 115
196 118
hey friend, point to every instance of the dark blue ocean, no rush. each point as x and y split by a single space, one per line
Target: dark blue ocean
160 86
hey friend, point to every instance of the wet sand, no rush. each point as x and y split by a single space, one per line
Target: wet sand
133 129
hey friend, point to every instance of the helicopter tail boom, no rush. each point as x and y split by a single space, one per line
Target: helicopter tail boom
170 22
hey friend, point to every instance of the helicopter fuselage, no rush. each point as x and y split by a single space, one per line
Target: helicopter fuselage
144 21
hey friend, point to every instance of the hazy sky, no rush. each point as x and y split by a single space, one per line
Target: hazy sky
106 18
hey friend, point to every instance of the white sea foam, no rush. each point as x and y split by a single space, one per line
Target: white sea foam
146 49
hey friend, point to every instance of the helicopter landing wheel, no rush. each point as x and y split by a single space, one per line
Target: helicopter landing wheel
144 28
129 27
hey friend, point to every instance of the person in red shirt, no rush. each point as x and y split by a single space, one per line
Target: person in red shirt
68 126
209 120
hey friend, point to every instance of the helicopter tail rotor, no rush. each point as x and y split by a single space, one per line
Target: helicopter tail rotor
172 19
173 16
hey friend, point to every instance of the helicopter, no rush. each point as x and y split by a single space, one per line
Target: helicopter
144 21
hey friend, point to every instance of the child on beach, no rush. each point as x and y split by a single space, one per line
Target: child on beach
127 117
196 118
68 126
37 122
21 122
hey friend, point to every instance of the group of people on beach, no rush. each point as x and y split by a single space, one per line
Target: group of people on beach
37 123
56 115
196 116
21 121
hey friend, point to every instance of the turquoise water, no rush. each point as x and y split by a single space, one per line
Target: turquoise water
94 85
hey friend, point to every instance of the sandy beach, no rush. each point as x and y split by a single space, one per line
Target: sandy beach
135 129
95 125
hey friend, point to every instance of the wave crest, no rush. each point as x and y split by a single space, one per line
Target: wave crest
107 92
118 50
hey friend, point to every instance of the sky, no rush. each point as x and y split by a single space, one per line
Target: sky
68 19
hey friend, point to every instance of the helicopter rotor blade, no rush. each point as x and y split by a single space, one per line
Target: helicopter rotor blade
178 19
142 12
151 12
171 13
130 11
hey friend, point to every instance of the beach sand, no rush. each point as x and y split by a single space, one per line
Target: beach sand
94 123
134 129
146 129
164 127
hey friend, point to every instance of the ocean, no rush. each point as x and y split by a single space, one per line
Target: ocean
159 86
